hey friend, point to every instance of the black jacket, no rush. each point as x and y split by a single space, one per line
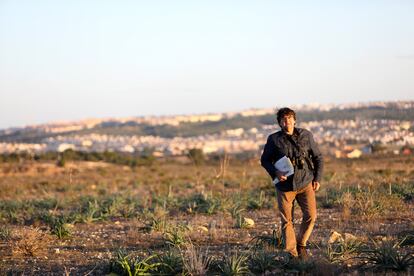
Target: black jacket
298 146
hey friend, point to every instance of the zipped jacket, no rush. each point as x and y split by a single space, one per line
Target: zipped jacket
302 150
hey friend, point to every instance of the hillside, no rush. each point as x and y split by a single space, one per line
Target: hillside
385 111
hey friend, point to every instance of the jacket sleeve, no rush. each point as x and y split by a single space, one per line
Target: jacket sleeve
268 157
317 159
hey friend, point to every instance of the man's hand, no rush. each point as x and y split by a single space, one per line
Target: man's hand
281 176
316 185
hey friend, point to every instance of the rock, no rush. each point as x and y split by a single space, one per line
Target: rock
349 237
248 222
202 229
335 237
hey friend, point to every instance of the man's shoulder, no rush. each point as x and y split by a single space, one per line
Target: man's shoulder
303 131
275 134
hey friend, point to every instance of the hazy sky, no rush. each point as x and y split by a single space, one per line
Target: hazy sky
66 60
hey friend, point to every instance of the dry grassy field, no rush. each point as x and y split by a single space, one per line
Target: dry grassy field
177 218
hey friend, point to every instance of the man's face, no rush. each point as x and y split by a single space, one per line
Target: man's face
287 123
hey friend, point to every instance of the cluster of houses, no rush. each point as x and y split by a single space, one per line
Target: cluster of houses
342 139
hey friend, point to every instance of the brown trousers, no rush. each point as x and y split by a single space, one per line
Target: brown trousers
307 202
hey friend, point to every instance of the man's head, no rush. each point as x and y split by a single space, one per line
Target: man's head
286 118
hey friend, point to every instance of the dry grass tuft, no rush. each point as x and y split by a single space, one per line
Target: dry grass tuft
195 261
29 242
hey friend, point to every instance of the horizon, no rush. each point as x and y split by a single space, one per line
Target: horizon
71 60
295 106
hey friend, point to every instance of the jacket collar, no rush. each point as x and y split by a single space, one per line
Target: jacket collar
294 134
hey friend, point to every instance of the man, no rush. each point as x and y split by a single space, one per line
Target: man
299 146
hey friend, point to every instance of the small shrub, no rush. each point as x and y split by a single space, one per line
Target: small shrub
232 265
47 204
386 256
331 199
366 205
171 263
407 238
236 209
158 224
61 162
29 242
91 212
112 206
405 191
262 261
59 225
176 235
5 233
342 250
195 261
202 203
256 202
127 265
273 241
61 230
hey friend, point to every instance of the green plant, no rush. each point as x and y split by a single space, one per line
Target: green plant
405 191
5 233
332 198
196 156
128 209
386 255
61 161
171 263
91 212
234 265
195 261
407 238
274 241
61 230
342 250
176 235
112 206
59 225
158 224
366 205
202 203
262 261
256 202
236 211
134 266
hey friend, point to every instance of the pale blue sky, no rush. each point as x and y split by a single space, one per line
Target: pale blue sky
67 60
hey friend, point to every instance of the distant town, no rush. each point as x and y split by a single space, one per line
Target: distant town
339 137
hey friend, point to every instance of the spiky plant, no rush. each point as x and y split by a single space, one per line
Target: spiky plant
387 256
235 264
176 236
124 264
262 261
61 230
274 241
196 262
342 250
5 233
171 262
159 224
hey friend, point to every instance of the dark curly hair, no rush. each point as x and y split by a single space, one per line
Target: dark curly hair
285 111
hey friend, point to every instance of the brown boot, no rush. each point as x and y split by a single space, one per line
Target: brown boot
303 254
